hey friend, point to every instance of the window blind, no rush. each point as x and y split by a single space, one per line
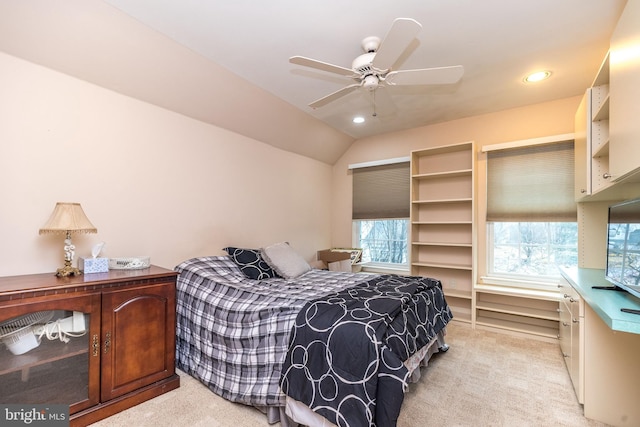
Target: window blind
381 192
531 184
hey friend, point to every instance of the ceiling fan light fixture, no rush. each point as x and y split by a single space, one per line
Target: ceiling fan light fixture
370 83
358 119
537 76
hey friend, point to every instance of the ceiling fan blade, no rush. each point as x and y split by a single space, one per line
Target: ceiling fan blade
319 65
397 40
333 96
426 76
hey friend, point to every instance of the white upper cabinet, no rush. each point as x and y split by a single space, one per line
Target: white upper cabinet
624 150
592 137
607 122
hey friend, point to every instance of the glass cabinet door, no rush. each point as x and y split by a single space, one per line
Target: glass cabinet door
50 351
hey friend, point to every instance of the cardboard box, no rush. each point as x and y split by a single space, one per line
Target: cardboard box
93 265
344 265
327 256
339 259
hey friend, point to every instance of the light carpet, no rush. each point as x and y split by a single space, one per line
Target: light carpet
485 379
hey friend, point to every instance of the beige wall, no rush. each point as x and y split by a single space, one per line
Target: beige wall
152 181
540 120
160 184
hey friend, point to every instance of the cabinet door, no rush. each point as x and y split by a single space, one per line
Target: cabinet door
138 334
38 367
565 333
576 349
625 93
582 148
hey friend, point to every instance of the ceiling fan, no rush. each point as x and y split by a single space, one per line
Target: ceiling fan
373 69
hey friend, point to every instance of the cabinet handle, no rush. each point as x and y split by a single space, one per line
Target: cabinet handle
107 342
575 320
572 300
95 344
583 191
606 175
565 324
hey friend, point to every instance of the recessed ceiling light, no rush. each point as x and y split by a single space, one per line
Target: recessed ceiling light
358 119
537 76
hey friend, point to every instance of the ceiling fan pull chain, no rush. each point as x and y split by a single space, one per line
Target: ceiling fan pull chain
375 114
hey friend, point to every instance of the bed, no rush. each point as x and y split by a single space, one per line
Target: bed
250 339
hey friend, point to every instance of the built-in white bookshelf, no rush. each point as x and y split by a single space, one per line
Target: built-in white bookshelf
442 221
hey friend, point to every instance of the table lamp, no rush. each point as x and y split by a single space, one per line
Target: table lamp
68 218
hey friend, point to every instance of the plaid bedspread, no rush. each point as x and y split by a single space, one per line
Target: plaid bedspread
233 332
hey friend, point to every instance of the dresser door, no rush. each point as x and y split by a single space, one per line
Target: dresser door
138 338
50 351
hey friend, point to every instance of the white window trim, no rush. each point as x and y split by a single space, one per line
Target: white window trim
515 281
529 142
379 162
385 268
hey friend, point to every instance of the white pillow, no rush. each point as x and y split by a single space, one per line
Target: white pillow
284 260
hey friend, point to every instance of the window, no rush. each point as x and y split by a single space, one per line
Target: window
531 214
382 241
381 213
532 248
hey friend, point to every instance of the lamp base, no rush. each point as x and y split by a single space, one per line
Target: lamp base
68 270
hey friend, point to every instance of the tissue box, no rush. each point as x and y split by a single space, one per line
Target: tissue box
93 265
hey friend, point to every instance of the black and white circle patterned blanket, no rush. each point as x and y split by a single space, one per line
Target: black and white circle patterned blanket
345 359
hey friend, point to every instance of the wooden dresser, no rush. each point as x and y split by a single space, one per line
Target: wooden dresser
121 353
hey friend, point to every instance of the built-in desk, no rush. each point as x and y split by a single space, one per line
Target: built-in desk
610 350
605 303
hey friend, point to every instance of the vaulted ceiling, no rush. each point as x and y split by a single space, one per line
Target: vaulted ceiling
227 62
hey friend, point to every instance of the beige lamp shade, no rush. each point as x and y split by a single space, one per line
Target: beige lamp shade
68 218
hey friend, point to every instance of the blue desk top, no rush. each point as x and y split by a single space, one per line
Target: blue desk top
605 303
